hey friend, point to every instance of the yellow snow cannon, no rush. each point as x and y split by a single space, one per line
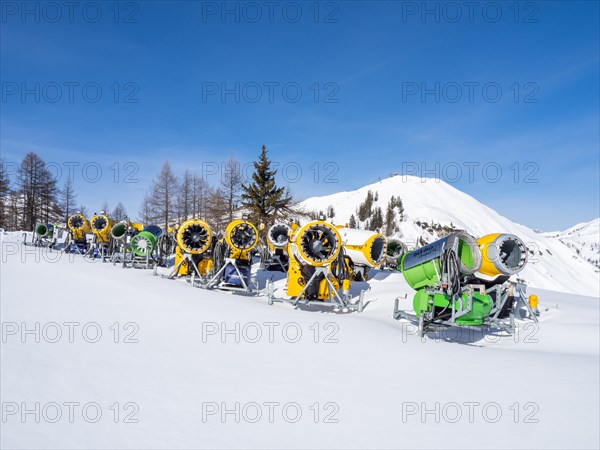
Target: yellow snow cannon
101 227
194 241
232 257
241 236
364 249
313 248
503 255
79 226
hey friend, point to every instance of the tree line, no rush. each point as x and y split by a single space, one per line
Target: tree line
34 196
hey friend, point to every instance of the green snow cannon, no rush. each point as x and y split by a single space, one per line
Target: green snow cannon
44 230
441 305
144 243
435 271
423 267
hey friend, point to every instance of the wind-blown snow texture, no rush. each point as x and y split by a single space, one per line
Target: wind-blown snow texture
370 367
553 265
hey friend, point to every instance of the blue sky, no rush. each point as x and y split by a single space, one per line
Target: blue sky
349 92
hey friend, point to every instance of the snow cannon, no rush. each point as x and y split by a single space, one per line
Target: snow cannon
395 250
232 256
278 236
313 249
241 236
503 255
44 230
453 256
146 241
79 226
363 250
124 228
275 256
101 227
194 240
436 272
317 243
363 247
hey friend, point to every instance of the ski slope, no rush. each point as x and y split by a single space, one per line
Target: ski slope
370 378
552 265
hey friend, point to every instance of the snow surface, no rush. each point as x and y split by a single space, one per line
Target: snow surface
553 265
583 239
377 369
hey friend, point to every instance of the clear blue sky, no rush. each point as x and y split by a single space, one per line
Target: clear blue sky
367 74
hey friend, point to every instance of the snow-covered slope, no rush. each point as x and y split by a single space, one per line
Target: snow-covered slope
583 239
552 265
155 363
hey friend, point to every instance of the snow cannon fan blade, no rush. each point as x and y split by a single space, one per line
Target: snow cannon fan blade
194 236
503 255
422 267
241 236
146 241
278 235
364 247
318 243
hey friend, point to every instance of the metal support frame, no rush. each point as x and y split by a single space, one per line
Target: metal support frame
216 282
335 300
187 257
426 319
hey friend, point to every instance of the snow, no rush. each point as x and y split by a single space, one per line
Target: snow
583 239
365 368
553 265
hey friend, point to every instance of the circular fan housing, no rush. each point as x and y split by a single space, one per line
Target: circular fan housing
77 222
241 235
194 236
100 223
395 250
503 254
318 243
278 235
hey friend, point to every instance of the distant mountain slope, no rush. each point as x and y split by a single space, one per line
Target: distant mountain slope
583 239
431 204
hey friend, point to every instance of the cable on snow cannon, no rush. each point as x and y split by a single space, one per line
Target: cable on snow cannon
503 255
144 243
275 256
232 257
193 257
395 250
318 271
364 249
